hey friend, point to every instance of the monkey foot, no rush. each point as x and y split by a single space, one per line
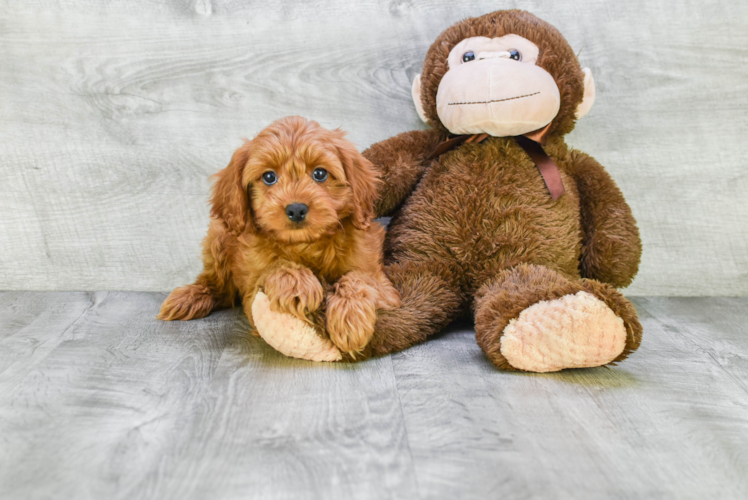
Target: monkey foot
574 331
289 335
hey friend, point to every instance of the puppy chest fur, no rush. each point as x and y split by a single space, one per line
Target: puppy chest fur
328 258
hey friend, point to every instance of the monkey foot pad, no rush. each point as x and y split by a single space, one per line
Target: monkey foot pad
575 331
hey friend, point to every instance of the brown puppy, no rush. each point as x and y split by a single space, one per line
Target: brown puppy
293 207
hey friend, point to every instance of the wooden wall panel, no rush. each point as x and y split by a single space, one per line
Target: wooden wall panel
114 114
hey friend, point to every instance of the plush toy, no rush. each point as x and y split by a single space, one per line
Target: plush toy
494 215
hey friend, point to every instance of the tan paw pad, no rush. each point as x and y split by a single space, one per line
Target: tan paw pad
289 335
574 331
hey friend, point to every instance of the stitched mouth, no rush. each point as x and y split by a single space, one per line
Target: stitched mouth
495 100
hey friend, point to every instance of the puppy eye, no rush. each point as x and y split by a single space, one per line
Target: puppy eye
514 54
319 175
269 178
468 56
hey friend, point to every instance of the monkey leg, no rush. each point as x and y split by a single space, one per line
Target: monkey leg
430 299
532 318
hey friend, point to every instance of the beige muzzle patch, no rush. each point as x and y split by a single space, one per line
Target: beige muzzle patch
497 96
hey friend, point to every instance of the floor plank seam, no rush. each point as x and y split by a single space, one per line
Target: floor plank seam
696 346
405 429
92 297
732 377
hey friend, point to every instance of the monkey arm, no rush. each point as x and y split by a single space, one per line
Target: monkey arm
611 247
400 162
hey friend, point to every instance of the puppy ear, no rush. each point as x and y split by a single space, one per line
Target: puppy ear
229 200
363 180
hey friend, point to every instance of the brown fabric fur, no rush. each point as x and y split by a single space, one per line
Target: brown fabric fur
480 232
611 247
402 161
430 301
252 245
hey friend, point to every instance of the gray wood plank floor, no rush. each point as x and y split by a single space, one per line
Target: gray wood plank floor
99 400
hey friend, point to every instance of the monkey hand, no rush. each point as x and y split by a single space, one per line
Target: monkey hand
290 335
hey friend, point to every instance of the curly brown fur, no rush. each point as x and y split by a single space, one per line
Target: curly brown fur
292 289
188 302
252 244
213 289
352 309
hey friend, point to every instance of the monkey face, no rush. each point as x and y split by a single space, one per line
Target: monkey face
493 86
520 77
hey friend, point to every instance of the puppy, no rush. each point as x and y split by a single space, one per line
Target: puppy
293 207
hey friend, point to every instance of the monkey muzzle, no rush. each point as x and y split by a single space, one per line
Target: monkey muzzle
498 96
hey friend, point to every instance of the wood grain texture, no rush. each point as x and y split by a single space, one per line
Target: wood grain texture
670 422
114 114
100 400
125 406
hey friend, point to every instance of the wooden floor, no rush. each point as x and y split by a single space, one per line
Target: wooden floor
98 400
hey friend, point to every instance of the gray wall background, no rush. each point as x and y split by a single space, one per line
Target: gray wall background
113 115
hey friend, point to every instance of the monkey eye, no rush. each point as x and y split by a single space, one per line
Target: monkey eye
269 178
514 54
468 56
319 175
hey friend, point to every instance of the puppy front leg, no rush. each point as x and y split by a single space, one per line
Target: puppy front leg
352 308
214 287
292 289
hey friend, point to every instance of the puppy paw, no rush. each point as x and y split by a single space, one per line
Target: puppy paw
351 315
294 291
187 302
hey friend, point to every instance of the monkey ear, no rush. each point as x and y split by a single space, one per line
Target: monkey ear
229 200
589 93
415 91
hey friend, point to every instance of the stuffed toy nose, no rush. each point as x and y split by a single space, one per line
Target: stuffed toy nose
297 211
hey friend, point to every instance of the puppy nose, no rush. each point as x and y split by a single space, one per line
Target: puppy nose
296 211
